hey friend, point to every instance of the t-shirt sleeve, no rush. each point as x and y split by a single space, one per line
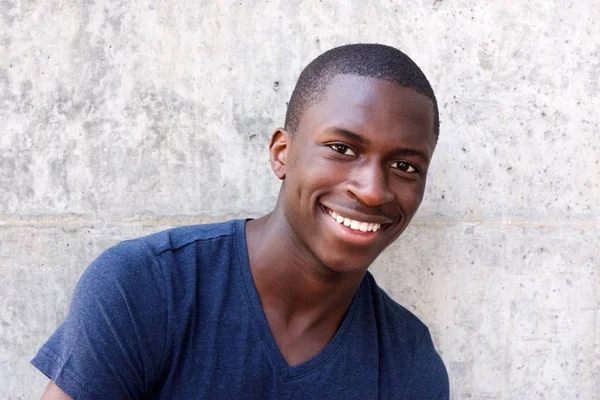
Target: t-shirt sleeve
428 378
112 342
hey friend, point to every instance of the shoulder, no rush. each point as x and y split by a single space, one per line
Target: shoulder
408 347
138 260
180 237
398 322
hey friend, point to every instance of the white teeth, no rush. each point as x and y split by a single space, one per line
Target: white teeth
356 225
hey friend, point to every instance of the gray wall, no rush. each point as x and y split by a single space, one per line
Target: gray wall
122 118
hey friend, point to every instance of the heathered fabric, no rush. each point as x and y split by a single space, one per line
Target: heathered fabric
176 315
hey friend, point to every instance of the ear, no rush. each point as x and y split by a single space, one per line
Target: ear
278 149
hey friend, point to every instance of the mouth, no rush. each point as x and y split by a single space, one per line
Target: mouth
358 226
360 229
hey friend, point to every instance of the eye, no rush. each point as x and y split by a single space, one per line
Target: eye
342 149
404 166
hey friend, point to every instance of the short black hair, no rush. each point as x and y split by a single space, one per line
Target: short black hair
368 60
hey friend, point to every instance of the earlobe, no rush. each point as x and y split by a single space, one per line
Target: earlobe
278 148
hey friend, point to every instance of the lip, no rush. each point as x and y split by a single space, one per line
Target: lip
383 221
350 235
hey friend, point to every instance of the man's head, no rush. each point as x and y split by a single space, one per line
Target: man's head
368 60
360 132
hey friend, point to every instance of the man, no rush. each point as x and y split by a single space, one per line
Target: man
281 307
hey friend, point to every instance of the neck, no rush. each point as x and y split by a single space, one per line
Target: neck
290 279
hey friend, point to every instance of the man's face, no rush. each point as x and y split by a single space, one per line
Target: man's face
355 170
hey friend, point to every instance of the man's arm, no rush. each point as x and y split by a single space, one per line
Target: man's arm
53 392
112 342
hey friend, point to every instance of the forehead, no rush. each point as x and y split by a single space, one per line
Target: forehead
372 105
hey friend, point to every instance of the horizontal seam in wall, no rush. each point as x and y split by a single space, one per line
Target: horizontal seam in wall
181 220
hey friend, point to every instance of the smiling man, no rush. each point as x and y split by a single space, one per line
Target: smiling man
281 307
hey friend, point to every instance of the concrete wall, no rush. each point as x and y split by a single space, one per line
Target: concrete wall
120 118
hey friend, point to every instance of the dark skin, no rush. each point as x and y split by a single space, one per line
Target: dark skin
362 152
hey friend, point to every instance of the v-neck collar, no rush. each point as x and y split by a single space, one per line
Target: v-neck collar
287 372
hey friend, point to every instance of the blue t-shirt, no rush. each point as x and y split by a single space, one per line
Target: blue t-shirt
176 315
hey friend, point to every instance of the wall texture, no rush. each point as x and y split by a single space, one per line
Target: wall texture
120 118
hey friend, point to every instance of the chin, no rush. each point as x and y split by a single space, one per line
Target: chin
348 264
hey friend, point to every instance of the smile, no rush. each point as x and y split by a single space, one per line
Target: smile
353 224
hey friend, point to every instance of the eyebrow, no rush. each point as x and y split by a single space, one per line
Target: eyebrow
401 151
348 135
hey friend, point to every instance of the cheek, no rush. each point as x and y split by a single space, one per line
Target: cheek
312 174
411 196
302 187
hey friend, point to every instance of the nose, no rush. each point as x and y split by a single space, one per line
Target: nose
369 184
